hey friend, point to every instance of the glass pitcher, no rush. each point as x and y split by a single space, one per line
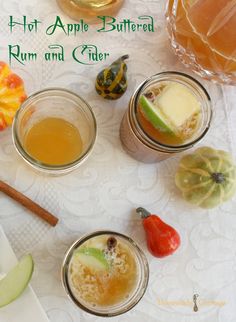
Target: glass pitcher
203 35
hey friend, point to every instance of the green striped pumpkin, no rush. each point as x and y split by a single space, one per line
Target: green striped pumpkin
111 82
206 177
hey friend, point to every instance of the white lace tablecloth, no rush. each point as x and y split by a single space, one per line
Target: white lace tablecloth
104 192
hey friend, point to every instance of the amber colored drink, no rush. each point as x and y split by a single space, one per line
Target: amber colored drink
203 35
53 141
103 276
89 10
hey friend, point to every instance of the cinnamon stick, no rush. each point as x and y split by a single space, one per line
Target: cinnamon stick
28 203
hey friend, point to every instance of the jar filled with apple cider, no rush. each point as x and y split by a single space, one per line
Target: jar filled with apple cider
169 113
89 10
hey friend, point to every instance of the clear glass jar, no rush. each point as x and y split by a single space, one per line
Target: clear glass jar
139 144
202 34
56 103
88 10
140 284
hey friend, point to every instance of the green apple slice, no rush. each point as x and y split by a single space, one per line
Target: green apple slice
93 258
155 116
16 280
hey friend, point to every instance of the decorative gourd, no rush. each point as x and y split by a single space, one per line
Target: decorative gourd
207 177
111 82
12 94
162 239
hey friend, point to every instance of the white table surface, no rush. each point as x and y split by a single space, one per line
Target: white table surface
27 307
105 190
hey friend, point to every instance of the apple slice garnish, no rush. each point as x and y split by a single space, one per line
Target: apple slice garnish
155 116
16 280
92 258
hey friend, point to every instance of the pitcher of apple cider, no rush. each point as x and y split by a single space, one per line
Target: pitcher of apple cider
203 35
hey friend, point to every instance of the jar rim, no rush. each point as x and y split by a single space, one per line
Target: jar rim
142 285
38 165
143 136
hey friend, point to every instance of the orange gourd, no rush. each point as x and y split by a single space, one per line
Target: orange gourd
12 94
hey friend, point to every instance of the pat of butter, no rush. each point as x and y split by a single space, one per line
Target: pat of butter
177 103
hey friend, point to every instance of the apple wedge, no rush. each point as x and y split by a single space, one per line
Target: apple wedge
155 116
93 258
16 280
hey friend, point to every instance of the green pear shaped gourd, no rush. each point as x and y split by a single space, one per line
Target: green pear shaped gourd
206 177
111 82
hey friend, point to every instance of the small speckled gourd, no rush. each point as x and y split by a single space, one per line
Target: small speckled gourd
207 177
111 82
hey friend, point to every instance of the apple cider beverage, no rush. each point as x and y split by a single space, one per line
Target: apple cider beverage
89 10
53 141
54 130
106 274
169 113
203 35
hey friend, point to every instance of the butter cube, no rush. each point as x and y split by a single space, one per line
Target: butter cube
177 103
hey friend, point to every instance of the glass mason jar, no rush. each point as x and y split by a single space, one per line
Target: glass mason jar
202 34
138 144
140 281
88 10
55 103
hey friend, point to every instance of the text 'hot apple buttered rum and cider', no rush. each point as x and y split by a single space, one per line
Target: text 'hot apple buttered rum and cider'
169 113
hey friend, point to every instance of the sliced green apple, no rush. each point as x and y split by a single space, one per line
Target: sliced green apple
93 258
155 116
16 280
